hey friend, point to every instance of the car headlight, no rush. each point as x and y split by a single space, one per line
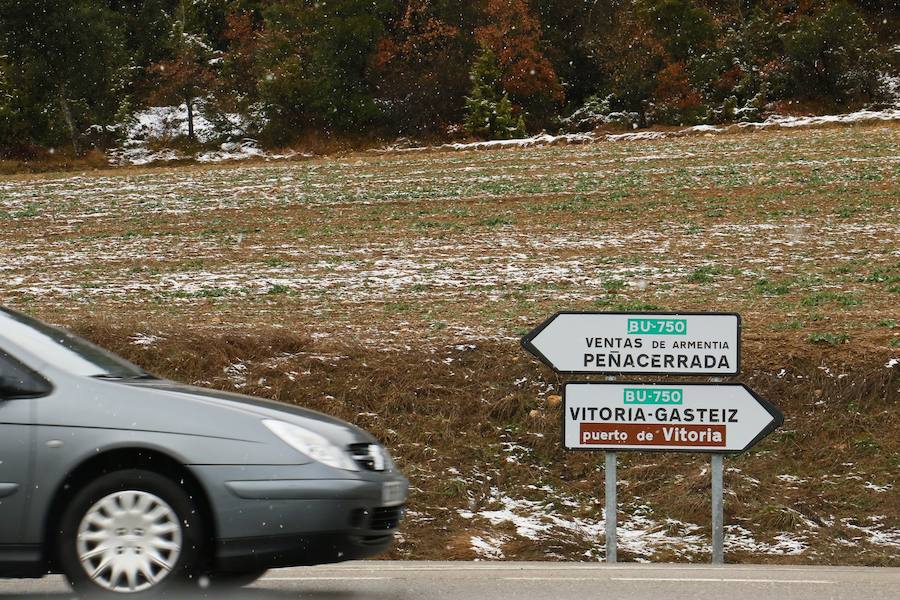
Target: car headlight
312 444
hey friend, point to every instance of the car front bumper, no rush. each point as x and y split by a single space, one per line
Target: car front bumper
275 516
251 554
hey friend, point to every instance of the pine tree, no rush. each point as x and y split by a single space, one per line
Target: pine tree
70 67
187 74
489 111
833 56
314 75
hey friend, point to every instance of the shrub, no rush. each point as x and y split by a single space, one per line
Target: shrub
489 113
834 56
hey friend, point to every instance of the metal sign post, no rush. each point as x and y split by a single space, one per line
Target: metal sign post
715 418
610 474
718 510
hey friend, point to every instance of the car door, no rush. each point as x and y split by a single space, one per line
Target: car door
19 388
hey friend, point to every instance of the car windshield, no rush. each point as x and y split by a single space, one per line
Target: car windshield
64 349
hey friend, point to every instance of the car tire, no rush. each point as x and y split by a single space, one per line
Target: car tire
225 581
136 530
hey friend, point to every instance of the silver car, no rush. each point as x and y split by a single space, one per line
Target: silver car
129 483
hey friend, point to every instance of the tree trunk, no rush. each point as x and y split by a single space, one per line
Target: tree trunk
67 117
190 111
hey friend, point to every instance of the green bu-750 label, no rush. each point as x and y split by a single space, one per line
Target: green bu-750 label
657 326
653 396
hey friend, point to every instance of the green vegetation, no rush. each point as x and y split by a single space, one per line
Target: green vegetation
72 73
767 287
489 112
828 338
614 285
824 297
704 274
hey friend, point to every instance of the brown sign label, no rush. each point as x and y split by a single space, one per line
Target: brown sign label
639 434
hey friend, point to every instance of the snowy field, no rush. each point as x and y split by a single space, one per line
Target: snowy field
483 243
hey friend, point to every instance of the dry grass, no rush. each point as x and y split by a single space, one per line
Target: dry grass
452 411
390 291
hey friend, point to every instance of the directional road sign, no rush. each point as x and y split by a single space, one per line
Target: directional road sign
705 417
639 343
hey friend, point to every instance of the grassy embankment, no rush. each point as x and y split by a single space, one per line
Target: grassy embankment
391 289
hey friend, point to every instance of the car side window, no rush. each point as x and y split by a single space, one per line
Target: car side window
18 381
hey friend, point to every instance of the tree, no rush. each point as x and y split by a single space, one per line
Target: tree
685 29
14 116
244 47
834 56
419 69
187 74
567 28
677 100
236 87
489 111
314 73
632 57
514 37
70 66
146 24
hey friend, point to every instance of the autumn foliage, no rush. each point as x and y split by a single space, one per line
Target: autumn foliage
514 36
419 67
72 72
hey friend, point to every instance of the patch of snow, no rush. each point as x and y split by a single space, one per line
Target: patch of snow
878 488
159 123
705 129
637 135
741 539
525 515
639 534
774 121
144 339
876 533
789 479
788 544
243 150
237 374
543 139
487 547
860 116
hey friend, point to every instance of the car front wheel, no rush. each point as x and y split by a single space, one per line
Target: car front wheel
128 532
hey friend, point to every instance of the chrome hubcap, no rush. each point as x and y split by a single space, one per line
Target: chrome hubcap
129 541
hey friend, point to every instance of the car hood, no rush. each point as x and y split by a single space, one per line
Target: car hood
335 429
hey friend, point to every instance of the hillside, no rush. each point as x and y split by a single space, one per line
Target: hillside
391 289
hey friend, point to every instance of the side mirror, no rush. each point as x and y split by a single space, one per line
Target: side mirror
28 387
7 386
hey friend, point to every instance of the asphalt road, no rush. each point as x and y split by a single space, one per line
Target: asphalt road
383 580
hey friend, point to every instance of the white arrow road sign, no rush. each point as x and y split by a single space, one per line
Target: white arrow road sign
639 343
705 417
